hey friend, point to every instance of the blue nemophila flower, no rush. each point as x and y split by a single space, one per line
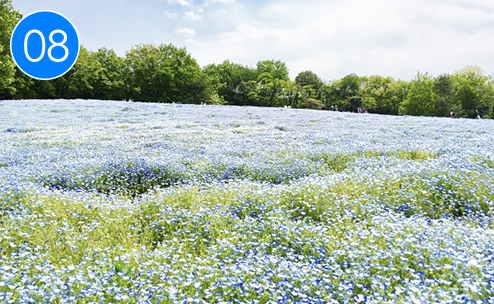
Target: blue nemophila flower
338 208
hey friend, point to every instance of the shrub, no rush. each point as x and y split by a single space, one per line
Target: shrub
314 104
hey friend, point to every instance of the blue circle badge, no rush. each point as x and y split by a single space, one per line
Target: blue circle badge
44 45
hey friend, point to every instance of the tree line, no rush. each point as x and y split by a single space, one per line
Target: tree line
166 73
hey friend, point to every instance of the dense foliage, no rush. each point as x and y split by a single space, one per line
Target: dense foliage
165 73
8 19
119 202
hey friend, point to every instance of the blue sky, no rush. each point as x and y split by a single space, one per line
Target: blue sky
332 38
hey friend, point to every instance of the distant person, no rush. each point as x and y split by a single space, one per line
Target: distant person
359 110
332 108
365 112
336 108
323 108
479 115
452 114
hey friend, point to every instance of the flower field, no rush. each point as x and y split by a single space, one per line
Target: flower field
118 202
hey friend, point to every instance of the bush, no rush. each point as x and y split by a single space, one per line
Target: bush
314 104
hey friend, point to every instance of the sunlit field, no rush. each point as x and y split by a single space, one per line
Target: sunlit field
118 202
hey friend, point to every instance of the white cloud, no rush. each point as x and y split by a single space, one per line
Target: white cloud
330 37
218 1
183 30
191 15
170 15
335 38
181 2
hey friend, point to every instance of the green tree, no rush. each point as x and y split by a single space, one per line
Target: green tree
230 80
421 99
269 92
340 91
203 90
293 97
22 86
79 80
444 88
113 75
474 90
355 103
40 89
8 20
274 69
164 73
309 82
84 80
401 93
273 84
381 95
488 98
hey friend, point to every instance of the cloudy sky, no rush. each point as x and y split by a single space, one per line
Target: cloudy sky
332 38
